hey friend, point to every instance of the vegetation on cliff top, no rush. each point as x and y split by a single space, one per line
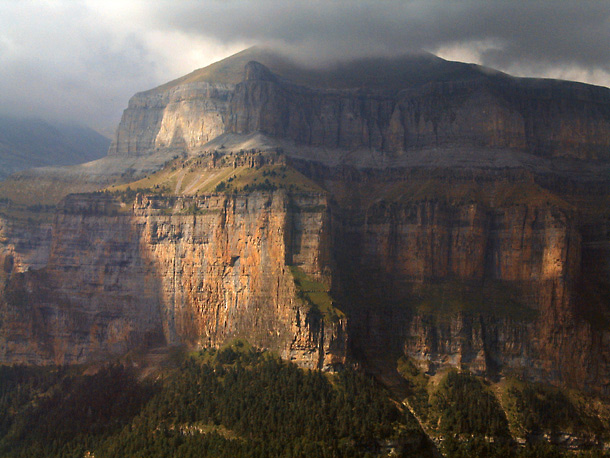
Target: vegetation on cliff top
443 300
442 186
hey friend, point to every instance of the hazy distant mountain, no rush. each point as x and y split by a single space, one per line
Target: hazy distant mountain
27 143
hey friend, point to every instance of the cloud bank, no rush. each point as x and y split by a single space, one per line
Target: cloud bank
81 61
548 32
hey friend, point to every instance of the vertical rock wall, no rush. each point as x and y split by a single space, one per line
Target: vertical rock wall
466 285
187 116
545 118
174 270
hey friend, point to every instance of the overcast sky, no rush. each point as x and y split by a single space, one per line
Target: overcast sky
80 61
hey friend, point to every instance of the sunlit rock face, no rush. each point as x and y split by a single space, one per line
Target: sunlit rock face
184 117
489 285
154 274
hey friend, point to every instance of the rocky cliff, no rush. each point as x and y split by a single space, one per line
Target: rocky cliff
493 112
193 270
465 269
483 289
475 111
183 117
477 273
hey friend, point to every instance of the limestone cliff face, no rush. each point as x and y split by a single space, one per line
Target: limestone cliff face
198 271
545 118
556 119
481 266
488 284
431 240
93 297
24 245
185 117
481 286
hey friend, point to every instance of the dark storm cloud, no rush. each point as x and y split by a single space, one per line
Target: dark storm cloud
548 32
81 60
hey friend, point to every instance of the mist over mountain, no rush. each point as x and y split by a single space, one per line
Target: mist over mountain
384 73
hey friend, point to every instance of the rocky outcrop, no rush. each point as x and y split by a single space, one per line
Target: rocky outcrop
24 244
473 283
552 119
182 118
492 265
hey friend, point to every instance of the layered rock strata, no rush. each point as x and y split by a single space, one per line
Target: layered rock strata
491 284
494 111
477 281
183 117
481 289
499 264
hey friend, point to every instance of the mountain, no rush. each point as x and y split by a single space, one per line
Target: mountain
397 107
27 143
406 216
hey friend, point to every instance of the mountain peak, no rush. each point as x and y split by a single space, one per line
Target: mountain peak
386 73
